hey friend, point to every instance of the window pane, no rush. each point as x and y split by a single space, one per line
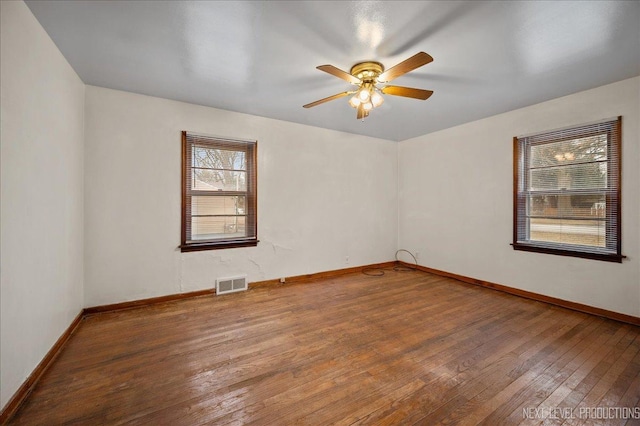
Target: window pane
581 232
583 205
210 228
218 205
219 180
214 158
576 176
582 150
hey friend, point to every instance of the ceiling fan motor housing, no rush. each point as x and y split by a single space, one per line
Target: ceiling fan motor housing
367 71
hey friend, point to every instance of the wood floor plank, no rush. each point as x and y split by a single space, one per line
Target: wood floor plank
505 401
553 343
408 347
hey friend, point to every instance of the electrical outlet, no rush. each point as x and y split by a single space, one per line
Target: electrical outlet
282 280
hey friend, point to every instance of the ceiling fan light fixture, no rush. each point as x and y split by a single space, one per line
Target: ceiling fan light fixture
363 94
354 101
368 106
376 99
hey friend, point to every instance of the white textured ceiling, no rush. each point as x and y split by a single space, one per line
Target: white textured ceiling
260 57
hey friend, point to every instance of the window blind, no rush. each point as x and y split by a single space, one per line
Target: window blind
219 199
567 194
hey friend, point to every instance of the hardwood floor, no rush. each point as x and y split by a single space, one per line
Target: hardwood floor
404 348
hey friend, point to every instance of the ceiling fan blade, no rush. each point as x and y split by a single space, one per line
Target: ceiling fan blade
407 92
416 61
330 98
339 73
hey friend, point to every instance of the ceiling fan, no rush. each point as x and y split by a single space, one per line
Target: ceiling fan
366 75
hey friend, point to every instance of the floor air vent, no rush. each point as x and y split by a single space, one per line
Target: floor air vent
231 285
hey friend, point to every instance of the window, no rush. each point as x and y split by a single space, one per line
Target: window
567 192
218 193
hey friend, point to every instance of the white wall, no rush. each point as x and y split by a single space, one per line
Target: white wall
322 196
41 226
456 201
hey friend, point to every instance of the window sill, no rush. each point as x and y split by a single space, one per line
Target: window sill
217 245
607 257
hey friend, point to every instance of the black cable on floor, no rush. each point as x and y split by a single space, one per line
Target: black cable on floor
378 272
